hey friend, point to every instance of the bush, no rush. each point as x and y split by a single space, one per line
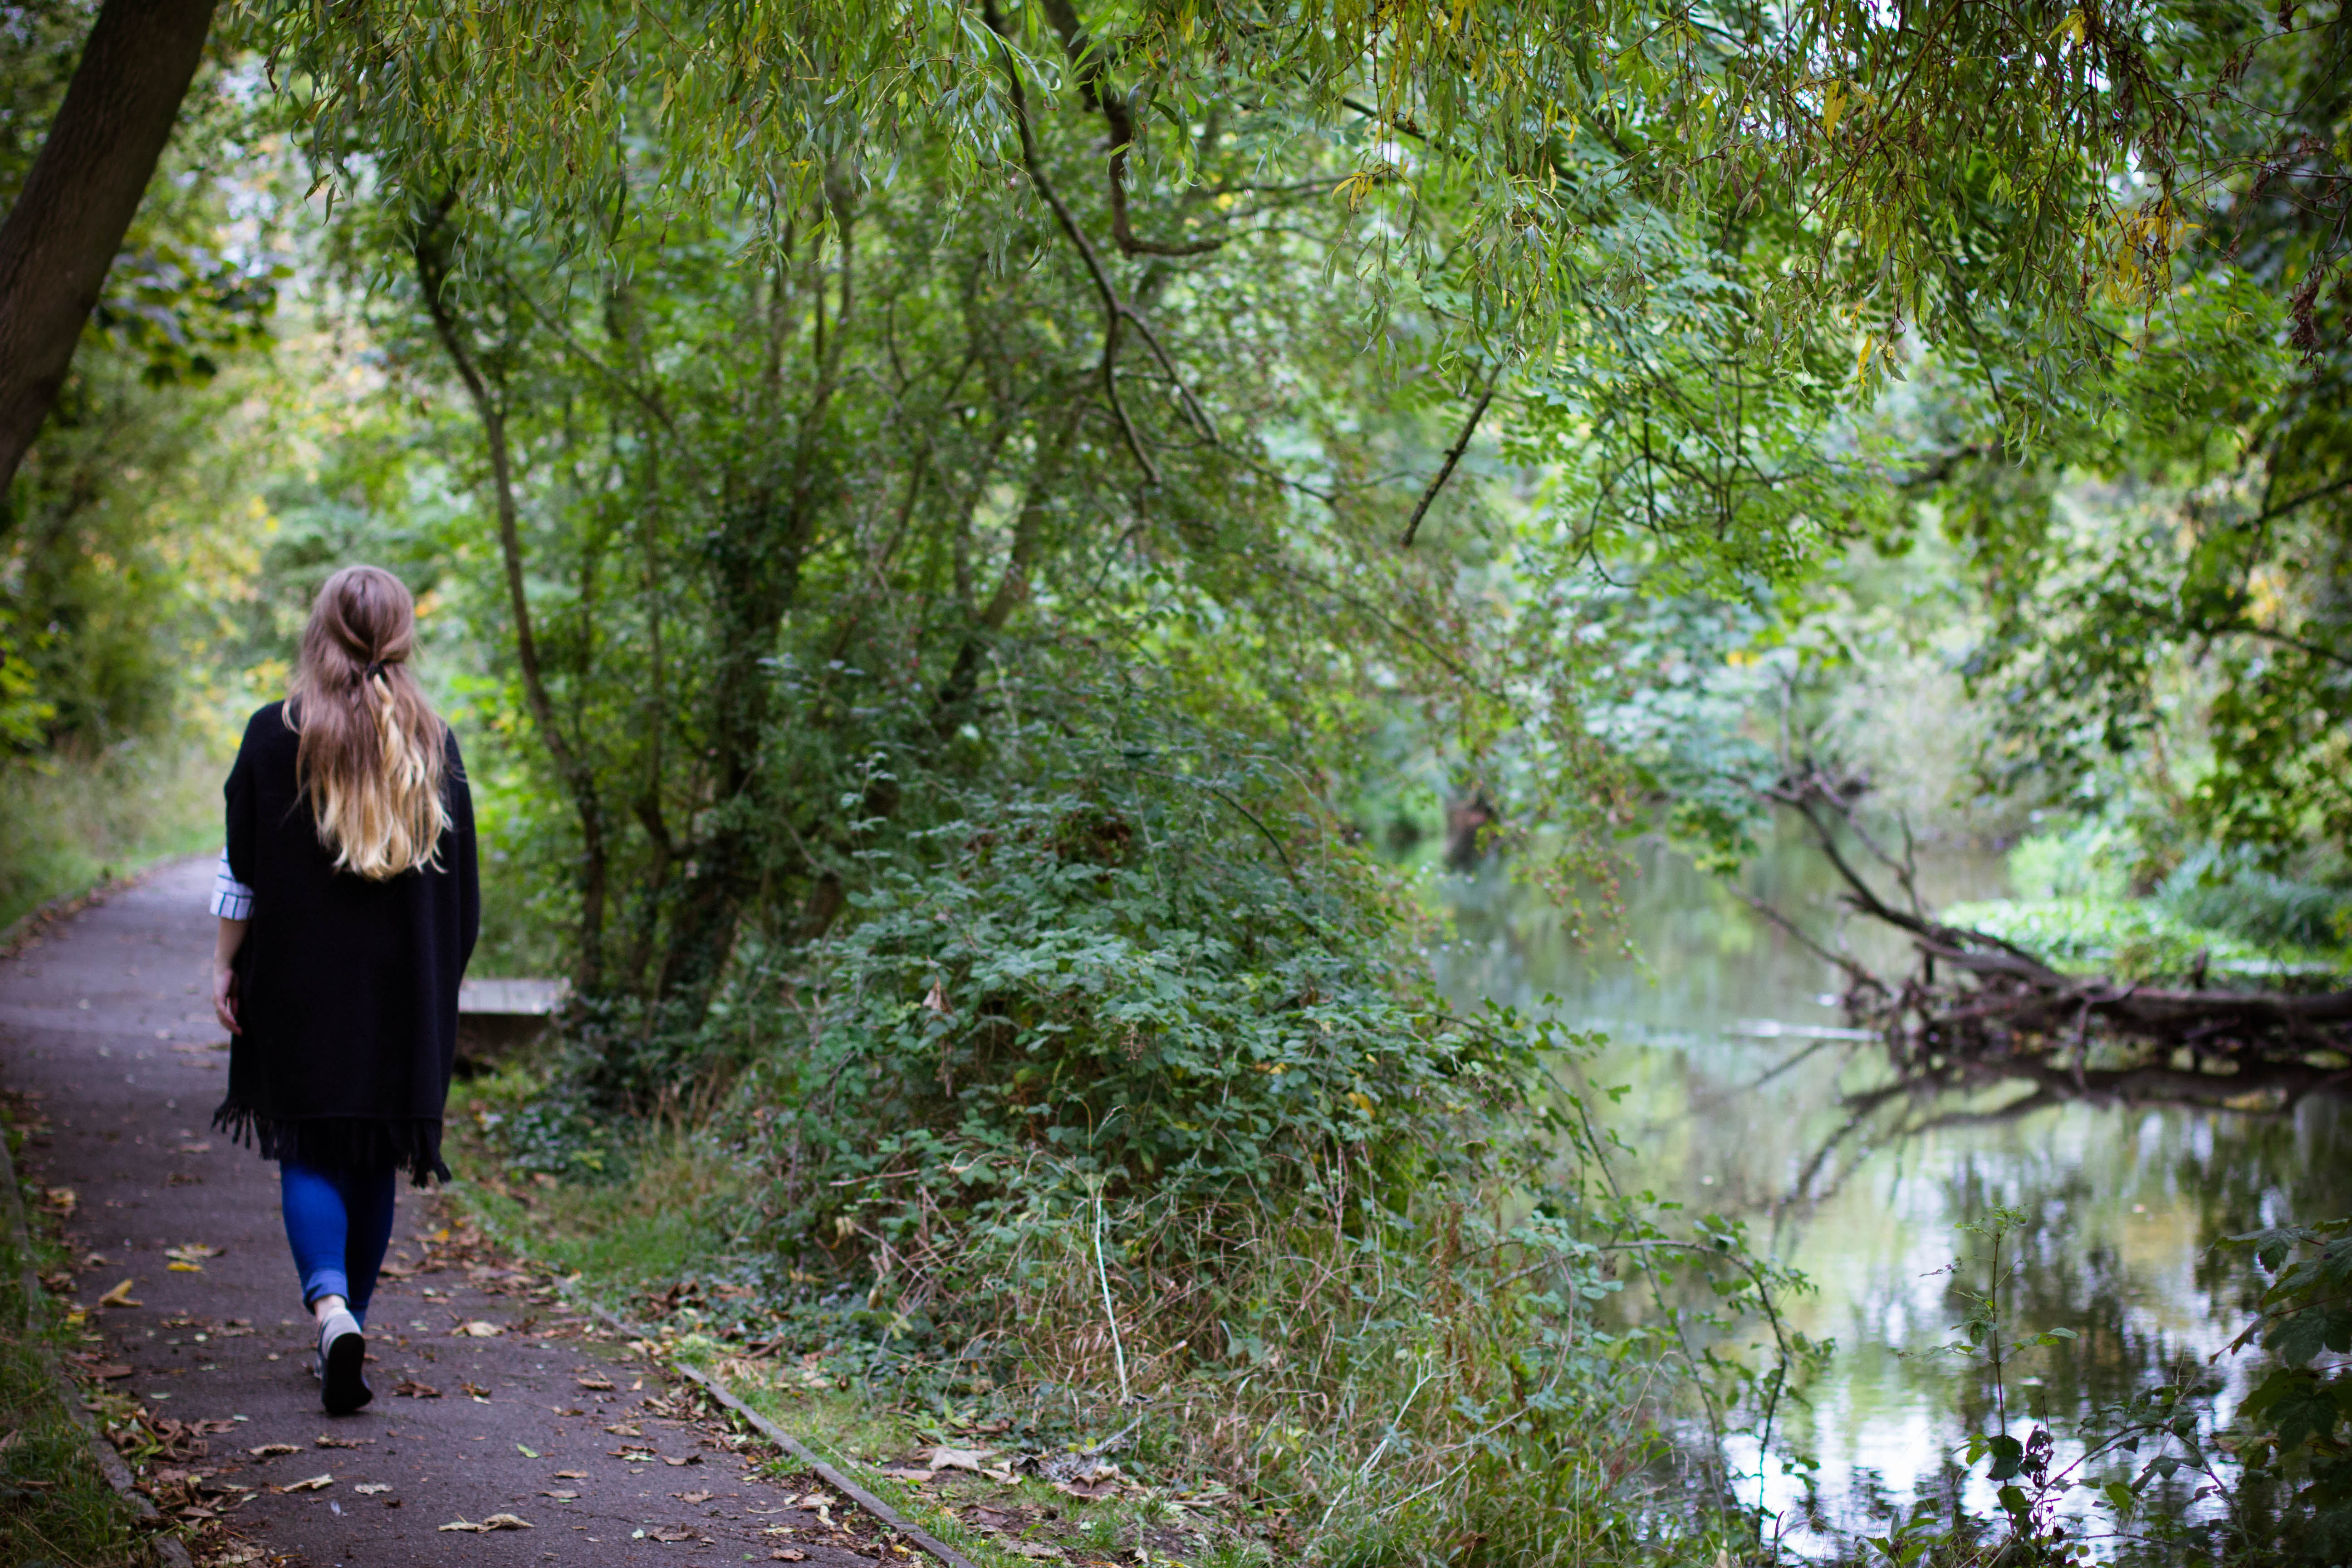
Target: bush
1121 1085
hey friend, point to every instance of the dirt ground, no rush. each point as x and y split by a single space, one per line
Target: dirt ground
492 1398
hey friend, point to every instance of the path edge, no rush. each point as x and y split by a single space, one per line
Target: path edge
718 1390
791 1444
36 923
168 1547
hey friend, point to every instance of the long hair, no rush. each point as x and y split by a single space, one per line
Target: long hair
372 753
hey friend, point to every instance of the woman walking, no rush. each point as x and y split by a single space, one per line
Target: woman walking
348 905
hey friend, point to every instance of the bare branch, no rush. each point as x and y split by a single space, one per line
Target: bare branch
1453 457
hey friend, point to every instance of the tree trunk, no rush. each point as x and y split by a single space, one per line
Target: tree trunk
61 237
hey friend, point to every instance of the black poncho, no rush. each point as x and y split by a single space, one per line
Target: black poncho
347 989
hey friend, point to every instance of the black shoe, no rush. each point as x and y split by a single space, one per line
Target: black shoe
342 1354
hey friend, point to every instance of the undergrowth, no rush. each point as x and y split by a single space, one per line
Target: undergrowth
67 822
1118 1106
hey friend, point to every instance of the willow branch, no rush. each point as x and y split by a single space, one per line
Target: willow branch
1453 457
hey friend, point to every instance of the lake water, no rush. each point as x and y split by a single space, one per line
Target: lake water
2126 1203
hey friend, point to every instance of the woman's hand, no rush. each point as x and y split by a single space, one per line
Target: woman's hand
224 945
224 999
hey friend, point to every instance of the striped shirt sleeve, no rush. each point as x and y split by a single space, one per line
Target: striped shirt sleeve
232 900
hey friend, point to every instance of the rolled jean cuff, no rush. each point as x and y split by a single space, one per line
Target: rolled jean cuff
326 1282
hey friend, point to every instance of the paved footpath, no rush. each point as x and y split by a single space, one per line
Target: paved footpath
106 1023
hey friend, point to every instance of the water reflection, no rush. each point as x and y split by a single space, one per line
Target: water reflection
2125 1205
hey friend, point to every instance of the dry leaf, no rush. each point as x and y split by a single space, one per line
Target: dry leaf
1033 1549
946 1458
324 1441
476 1390
595 1384
271 1450
495 1522
571 1475
194 1252
690 1460
694 1496
371 1488
109 1371
562 1497
479 1330
409 1388
788 1554
193 1148
634 1455
119 1297
315 1484
912 1478
669 1533
626 1429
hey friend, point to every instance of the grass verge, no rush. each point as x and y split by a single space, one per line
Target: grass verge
69 823
55 1507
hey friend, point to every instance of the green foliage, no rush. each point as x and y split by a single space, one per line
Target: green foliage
2299 1419
68 821
1117 1082
104 536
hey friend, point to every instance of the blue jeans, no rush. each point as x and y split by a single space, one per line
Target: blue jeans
339 1223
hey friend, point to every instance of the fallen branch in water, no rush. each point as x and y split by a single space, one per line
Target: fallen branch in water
1979 1007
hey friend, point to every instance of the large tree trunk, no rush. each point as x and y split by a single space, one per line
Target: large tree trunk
60 237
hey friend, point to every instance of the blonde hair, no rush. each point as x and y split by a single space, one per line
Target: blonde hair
372 753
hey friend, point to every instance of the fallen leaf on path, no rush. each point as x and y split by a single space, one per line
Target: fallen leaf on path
635 1455
120 1295
815 1499
325 1442
196 1148
694 1496
110 1371
476 1390
194 1252
271 1450
526 1453
669 1533
562 1497
788 1554
409 1388
571 1475
60 1201
315 1484
479 1329
624 1429
595 1384
370 1489
690 1460
945 1458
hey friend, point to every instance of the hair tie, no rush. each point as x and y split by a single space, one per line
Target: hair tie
373 670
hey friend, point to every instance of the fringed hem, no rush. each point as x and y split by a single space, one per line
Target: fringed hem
338 1142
